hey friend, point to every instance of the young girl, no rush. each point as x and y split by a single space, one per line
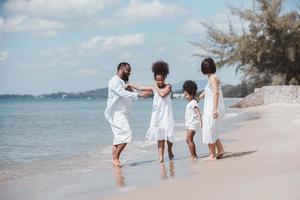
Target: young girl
193 120
214 109
162 121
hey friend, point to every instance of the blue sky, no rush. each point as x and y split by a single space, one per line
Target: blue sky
75 45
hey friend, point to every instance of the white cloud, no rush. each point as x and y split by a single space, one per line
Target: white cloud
37 26
56 8
137 10
113 42
3 55
219 21
87 72
194 26
95 46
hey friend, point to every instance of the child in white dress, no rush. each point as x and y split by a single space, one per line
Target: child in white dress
162 121
193 120
214 109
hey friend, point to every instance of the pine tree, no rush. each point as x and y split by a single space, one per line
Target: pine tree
267 51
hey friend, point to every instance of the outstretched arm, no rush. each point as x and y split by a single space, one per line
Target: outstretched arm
164 92
201 96
198 113
140 87
120 91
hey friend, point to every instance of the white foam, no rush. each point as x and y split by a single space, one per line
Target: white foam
179 125
231 115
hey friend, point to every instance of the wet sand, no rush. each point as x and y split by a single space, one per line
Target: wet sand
262 163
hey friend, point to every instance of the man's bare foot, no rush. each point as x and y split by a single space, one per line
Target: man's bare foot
221 154
209 158
161 160
116 163
171 155
194 158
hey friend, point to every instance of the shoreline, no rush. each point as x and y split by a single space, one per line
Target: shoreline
262 163
239 175
90 178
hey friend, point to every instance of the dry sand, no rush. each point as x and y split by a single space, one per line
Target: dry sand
263 163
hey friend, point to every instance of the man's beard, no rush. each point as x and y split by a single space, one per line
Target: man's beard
125 78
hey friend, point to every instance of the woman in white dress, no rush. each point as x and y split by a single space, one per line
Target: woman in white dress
214 109
162 121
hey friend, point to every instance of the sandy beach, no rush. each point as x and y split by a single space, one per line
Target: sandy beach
262 163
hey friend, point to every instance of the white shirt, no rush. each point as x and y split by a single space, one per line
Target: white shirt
119 99
191 120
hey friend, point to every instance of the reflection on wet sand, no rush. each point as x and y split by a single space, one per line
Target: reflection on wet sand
163 171
119 177
172 168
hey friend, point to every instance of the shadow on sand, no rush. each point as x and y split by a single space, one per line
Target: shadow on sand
237 154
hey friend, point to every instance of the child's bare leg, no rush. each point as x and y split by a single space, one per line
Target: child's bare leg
170 152
116 156
212 153
114 147
114 161
191 144
161 149
220 148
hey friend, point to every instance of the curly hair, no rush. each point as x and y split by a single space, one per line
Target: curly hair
190 87
160 68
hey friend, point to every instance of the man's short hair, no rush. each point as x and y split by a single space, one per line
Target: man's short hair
123 64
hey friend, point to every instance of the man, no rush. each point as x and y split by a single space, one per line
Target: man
117 111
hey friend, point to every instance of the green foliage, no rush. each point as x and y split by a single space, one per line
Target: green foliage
267 52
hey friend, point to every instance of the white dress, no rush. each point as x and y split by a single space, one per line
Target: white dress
162 121
191 119
210 124
119 103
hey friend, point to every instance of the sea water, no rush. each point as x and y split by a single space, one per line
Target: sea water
42 138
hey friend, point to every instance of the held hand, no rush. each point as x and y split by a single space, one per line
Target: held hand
201 96
144 94
215 114
129 88
129 85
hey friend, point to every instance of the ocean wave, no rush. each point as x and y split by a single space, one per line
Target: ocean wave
231 115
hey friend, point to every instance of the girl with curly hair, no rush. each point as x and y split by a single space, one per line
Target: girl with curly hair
162 121
193 119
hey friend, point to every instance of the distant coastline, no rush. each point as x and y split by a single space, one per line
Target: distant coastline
228 91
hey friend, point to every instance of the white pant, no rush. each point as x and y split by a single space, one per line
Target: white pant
121 129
